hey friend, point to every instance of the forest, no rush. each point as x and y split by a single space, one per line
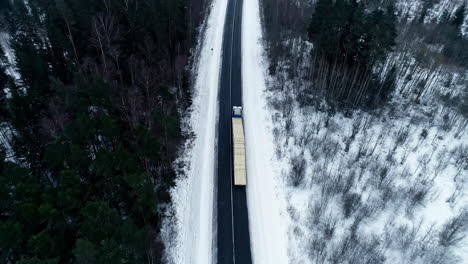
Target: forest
349 43
350 62
90 126
369 104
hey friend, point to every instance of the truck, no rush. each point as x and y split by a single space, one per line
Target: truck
238 150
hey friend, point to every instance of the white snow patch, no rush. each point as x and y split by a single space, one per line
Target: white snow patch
9 55
266 200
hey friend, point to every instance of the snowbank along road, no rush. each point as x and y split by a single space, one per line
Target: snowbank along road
268 218
233 238
193 196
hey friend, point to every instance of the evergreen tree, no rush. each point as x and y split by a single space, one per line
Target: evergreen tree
459 17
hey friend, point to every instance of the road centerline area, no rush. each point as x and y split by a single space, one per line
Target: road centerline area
230 146
233 238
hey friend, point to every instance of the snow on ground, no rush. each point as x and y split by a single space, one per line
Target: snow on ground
9 55
188 231
373 187
9 61
411 9
266 201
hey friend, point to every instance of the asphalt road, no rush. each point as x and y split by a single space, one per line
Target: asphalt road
233 240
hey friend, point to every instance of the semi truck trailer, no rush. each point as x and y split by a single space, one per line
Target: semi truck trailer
238 150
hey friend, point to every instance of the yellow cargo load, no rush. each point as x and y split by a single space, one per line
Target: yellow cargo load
240 177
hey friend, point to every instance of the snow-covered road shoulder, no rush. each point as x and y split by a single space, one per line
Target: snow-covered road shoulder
266 202
188 233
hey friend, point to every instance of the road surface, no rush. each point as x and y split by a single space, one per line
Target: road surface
233 240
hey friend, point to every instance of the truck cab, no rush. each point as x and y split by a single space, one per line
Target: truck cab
237 111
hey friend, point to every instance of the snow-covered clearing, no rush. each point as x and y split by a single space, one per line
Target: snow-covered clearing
188 231
266 200
373 187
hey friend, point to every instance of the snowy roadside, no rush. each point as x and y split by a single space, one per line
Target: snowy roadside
266 201
188 231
